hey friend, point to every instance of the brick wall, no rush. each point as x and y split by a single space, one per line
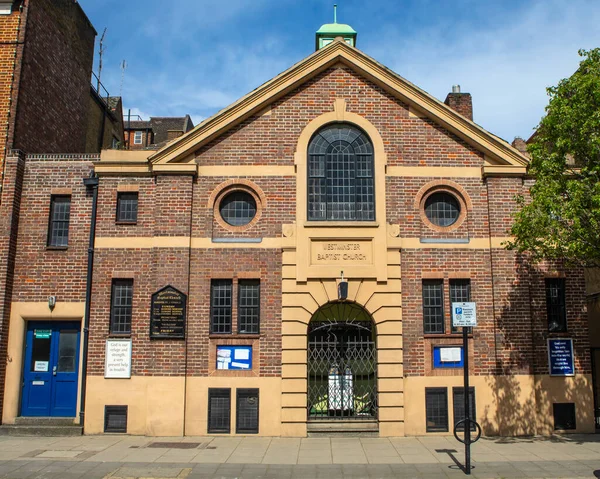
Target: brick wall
11 50
55 78
510 296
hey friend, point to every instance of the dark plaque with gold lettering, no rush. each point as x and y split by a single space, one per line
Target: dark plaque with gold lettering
167 314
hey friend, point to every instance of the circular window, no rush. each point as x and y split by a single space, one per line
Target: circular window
238 208
442 209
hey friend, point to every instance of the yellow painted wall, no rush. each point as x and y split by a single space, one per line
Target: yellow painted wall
506 405
156 403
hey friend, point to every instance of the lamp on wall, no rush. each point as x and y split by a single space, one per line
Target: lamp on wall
51 302
343 289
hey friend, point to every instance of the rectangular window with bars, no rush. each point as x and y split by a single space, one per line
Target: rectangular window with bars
556 305
121 306
249 306
436 409
127 207
460 292
219 410
60 215
458 400
246 411
433 306
221 304
137 137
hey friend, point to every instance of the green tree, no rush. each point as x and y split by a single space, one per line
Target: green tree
561 219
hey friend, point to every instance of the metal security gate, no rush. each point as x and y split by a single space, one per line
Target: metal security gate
342 364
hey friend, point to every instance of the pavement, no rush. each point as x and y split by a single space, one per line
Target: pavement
227 457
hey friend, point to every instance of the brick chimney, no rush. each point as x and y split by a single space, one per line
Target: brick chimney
460 102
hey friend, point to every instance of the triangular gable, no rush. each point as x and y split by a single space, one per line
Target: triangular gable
497 152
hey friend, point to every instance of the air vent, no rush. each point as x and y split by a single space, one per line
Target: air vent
115 419
564 416
247 411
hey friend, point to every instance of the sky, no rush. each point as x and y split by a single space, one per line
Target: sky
198 56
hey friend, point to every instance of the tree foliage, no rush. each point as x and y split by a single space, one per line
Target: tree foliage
561 219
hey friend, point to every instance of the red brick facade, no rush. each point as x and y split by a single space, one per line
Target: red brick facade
44 91
510 295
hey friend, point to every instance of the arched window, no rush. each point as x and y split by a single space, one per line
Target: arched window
340 175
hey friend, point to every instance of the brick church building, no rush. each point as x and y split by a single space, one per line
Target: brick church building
209 300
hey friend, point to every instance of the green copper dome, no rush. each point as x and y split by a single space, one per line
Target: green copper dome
330 31
333 28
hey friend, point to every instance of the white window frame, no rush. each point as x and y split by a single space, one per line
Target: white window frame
137 139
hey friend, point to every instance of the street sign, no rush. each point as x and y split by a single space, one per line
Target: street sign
464 314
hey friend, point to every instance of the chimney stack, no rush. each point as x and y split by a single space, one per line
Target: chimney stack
460 102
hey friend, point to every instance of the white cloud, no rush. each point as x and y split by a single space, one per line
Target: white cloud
506 66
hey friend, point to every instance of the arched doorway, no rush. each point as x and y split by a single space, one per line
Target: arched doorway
342 364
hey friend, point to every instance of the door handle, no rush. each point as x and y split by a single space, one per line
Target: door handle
54 371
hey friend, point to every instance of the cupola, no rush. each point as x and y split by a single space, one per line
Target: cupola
330 31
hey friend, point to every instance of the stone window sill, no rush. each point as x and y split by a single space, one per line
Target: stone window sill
57 248
331 224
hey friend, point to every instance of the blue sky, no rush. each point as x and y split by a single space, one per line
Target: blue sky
197 56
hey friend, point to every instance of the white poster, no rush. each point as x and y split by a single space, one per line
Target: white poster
449 355
118 358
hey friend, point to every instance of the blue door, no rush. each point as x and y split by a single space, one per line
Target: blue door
51 369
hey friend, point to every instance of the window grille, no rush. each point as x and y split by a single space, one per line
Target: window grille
442 209
122 304
247 411
221 305
137 137
60 215
115 419
238 208
436 409
219 410
556 305
340 175
249 306
460 292
433 306
127 207
564 416
458 399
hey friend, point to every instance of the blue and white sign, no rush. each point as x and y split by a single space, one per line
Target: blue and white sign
464 314
560 357
234 357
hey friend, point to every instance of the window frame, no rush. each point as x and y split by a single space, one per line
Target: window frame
242 393
435 218
55 199
238 192
120 197
561 285
459 390
135 137
114 284
355 176
241 283
224 392
213 283
441 320
436 390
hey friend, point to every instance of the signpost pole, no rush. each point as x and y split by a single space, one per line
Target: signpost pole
466 396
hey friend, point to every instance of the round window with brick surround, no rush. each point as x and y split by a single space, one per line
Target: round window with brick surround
442 209
238 208
237 204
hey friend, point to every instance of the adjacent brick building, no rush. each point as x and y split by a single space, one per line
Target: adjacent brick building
156 132
221 262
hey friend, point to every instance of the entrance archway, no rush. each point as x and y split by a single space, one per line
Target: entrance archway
342 364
